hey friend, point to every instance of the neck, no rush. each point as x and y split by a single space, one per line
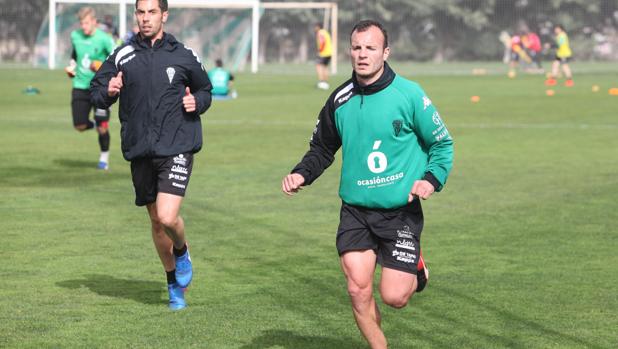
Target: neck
156 37
153 38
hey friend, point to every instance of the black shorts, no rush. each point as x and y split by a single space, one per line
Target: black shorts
81 107
394 235
562 60
160 175
323 60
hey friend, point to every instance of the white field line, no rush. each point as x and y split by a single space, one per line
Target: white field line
571 126
281 122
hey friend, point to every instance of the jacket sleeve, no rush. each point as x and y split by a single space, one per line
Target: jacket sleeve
100 82
199 84
322 147
434 135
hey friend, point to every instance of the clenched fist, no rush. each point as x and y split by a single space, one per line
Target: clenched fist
115 84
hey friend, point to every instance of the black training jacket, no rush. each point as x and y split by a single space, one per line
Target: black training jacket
152 117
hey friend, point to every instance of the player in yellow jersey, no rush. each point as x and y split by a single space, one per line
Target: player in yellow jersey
325 51
563 54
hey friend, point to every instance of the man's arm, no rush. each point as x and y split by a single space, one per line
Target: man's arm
199 85
322 148
432 131
99 85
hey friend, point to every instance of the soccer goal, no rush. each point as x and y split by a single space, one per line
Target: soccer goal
228 29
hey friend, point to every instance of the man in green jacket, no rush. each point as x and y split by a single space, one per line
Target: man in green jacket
91 46
396 151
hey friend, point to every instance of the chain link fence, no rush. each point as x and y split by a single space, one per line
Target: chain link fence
419 30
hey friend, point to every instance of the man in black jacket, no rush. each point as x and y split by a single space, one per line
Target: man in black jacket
163 89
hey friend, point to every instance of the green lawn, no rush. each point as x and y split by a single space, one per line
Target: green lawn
521 243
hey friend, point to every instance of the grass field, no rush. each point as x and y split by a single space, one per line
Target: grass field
521 243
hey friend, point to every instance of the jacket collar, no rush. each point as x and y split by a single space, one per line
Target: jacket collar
167 42
388 75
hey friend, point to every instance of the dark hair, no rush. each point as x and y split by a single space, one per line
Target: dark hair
219 62
559 26
368 23
319 25
162 5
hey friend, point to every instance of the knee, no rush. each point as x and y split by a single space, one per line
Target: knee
396 301
359 294
80 128
167 220
156 223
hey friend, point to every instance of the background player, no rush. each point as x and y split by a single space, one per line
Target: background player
222 81
325 51
563 55
90 47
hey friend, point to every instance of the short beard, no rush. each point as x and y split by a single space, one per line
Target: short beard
370 76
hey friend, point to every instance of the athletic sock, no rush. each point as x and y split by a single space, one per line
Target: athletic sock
104 142
171 277
180 252
104 157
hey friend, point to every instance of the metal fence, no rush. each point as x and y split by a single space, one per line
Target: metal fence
419 30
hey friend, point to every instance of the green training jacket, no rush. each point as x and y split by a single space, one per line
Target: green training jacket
391 135
86 49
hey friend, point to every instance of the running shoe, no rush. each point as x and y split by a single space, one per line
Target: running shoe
103 166
184 269
177 297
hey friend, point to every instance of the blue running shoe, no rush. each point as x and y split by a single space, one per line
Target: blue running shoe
184 269
102 165
177 297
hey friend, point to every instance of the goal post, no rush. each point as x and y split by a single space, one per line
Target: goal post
255 6
327 6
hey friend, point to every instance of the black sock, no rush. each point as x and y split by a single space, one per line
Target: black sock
104 141
171 277
180 252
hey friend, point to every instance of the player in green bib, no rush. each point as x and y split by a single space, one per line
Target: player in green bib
396 150
91 46
221 80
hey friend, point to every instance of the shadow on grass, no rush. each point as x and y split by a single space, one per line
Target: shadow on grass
147 292
72 163
63 173
291 340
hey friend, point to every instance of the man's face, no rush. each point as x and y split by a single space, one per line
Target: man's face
150 19
368 54
88 24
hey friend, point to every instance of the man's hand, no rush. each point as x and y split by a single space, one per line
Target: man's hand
421 188
188 101
115 84
70 69
292 183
